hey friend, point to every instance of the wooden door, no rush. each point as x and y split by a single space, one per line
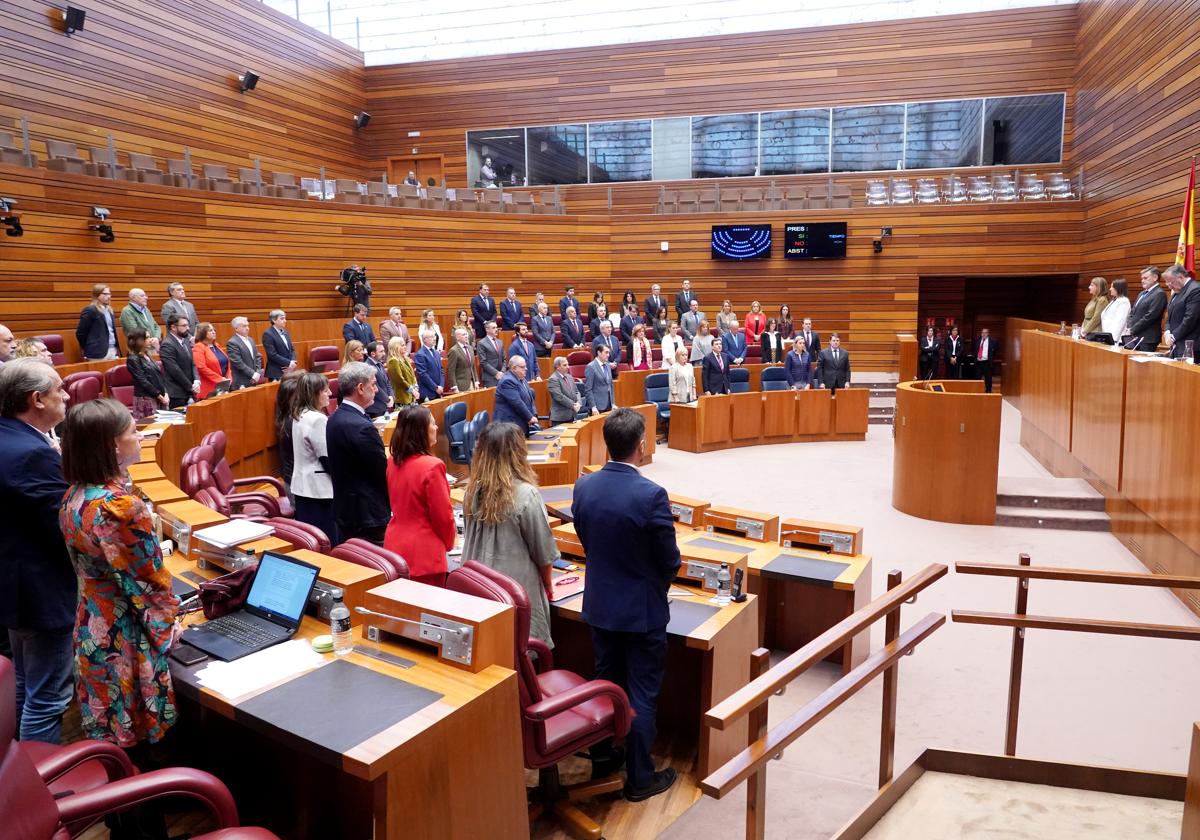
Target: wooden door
426 167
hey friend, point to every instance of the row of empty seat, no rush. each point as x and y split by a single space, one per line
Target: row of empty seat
974 188
748 199
380 194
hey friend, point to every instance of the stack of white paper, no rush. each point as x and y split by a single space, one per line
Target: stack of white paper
260 670
234 532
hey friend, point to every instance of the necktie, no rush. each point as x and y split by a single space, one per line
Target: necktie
983 350
835 355
720 363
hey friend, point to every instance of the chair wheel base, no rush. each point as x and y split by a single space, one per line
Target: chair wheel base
558 800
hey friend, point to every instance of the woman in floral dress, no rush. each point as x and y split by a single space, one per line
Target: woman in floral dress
125 621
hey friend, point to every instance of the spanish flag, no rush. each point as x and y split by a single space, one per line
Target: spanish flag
1185 253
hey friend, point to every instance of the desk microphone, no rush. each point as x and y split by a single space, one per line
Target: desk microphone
1135 344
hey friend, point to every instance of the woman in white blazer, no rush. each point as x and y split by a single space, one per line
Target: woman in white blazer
429 325
682 380
1115 316
311 485
672 343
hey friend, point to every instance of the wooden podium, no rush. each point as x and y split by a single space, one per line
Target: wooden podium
947 451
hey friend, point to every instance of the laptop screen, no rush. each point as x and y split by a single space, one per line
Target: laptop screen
281 587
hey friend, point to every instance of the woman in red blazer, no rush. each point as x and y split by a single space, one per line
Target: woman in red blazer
422 528
208 367
756 323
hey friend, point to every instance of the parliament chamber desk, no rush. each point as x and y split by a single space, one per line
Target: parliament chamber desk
750 418
1126 422
947 451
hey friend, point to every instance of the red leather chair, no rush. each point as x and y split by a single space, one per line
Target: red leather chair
754 354
368 554
84 386
29 810
577 362
197 476
227 484
54 343
120 385
562 713
324 359
300 534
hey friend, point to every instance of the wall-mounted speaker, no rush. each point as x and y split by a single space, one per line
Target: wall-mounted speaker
73 19
247 80
361 119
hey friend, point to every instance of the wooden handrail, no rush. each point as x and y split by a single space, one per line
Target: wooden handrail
1079 575
1078 625
729 775
739 704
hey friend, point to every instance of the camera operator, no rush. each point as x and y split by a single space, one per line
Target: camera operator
355 286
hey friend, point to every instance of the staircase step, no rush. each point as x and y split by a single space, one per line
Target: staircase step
1063 520
1048 494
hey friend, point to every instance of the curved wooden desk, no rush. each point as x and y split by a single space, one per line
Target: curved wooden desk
947 451
752 418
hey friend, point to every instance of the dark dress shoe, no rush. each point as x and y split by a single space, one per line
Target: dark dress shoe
662 780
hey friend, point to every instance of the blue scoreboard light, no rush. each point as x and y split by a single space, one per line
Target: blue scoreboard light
741 242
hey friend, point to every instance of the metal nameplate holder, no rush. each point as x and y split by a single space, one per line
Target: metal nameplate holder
683 513
751 528
229 559
453 639
838 543
702 571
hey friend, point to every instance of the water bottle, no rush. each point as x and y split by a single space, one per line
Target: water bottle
339 626
724 591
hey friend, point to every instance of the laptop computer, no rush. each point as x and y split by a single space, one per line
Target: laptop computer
272 614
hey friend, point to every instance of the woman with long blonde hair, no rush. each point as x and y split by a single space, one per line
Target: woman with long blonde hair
504 519
355 351
400 371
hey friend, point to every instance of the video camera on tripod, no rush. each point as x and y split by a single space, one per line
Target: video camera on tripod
355 287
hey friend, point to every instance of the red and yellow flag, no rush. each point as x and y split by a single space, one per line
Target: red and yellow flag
1185 253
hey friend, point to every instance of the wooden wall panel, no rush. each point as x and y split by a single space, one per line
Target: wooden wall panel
1047 384
162 74
1098 410
1006 52
1137 104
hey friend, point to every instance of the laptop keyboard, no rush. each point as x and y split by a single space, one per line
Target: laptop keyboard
241 631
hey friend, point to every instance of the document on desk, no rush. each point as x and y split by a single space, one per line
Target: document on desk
260 670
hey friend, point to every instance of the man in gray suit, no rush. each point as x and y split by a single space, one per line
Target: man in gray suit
177 304
565 399
690 323
833 366
491 356
245 362
1145 319
598 382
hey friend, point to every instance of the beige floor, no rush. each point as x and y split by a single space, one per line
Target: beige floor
1090 699
942 806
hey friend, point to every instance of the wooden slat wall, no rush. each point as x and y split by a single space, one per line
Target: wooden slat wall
1137 107
994 53
162 74
245 255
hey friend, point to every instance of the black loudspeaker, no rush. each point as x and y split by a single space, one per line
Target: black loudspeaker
73 18
361 119
248 80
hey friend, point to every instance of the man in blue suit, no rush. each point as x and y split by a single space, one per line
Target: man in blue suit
598 383
483 309
357 327
514 399
568 300
523 347
511 312
607 339
714 370
37 581
428 364
357 463
572 329
281 353
735 346
624 522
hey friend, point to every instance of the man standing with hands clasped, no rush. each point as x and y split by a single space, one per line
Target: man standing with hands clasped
624 522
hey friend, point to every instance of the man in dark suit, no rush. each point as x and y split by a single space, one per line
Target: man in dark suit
572 329
735 346
953 346
523 347
683 300
98 332
624 523
655 309
628 319
985 351
483 309
281 353
427 364
178 304
931 349
38 591
833 365
567 300
179 370
1145 318
511 312
357 327
543 331
357 463
514 399
714 370
1183 312
565 400
598 383
385 395
538 300
812 339
607 339
491 356
245 362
